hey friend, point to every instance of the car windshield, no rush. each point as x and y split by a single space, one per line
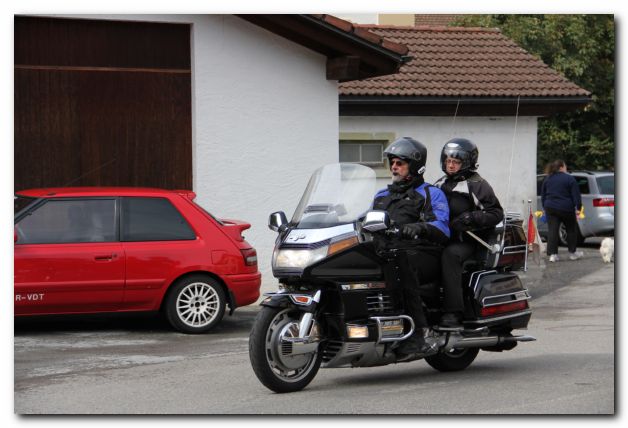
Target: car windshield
606 184
336 194
21 202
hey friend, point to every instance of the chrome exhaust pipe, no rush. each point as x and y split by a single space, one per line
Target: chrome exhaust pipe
518 339
458 341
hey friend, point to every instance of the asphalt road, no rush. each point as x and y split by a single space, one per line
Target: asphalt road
134 364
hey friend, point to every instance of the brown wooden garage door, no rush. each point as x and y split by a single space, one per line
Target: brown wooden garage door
102 103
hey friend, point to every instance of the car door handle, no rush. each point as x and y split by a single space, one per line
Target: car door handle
105 257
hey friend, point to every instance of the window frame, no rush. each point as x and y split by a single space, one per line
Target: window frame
580 179
40 202
599 187
361 144
385 138
121 220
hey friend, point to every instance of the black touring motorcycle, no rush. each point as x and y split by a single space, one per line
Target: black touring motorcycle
338 304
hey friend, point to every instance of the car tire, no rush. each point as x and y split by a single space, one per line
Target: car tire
562 236
195 304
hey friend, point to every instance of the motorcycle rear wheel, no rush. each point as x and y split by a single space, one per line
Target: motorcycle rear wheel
278 372
454 360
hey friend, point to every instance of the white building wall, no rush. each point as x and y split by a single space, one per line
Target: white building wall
264 117
514 185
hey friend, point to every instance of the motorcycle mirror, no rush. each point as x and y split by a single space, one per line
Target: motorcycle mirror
376 220
277 221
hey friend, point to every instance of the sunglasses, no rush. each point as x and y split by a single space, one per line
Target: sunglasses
397 162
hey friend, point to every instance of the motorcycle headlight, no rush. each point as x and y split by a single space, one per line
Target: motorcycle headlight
300 258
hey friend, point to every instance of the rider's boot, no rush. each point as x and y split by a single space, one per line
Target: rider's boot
418 343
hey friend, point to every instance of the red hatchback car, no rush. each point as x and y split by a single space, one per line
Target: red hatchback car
88 250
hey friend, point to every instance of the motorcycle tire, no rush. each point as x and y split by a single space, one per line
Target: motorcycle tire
278 372
454 360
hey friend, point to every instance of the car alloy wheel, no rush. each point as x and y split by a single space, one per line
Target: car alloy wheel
195 304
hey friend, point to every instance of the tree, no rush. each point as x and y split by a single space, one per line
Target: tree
582 48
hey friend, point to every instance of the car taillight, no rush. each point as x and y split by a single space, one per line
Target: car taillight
604 202
250 256
500 309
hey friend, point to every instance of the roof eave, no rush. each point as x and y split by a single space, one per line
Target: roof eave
349 57
461 106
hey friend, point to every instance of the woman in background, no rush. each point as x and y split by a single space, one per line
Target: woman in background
561 201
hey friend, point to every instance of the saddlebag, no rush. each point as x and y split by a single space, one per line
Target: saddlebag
499 299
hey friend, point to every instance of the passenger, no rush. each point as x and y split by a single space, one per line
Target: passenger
473 206
421 212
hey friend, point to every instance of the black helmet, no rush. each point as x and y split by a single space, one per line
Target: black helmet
463 149
411 151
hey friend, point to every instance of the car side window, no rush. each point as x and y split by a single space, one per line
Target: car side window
583 185
153 219
539 184
606 184
69 221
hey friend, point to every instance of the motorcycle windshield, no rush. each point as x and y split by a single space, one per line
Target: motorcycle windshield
336 194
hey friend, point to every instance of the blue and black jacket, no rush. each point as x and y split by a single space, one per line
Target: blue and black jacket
419 202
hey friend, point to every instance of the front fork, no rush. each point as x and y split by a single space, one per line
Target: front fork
308 305
307 337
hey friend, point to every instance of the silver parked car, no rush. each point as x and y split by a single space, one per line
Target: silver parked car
598 197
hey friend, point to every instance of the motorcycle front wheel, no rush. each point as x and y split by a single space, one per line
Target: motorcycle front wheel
278 371
454 360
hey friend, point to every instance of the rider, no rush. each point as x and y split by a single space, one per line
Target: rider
473 207
421 212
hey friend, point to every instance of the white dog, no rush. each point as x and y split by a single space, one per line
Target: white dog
607 250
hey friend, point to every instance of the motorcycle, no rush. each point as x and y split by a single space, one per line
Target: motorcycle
339 305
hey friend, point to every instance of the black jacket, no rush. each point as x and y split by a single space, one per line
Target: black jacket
471 194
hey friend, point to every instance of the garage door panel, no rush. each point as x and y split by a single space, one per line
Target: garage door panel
103 126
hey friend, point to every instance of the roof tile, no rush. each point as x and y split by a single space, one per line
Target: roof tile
339 23
434 19
396 47
455 61
364 33
367 35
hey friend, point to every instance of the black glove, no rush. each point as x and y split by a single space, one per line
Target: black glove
414 230
463 222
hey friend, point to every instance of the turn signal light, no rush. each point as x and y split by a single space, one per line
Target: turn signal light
604 202
301 299
500 309
341 245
